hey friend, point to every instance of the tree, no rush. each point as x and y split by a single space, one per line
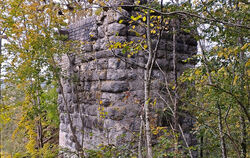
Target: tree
31 27
221 80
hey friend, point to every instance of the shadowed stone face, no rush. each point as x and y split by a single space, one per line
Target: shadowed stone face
106 101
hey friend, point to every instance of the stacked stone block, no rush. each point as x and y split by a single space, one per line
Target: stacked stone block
104 92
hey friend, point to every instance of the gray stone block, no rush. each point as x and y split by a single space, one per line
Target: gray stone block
101 31
116 63
115 39
116 113
136 85
103 54
109 124
117 29
62 118
116 74
87 48
92 110
114 86
115 16
101 64
63 128
113 97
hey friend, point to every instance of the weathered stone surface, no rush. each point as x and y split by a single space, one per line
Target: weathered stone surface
93 34
116 113
133 110
116 39
117 29
87 86
101 44
97 45
163 63
119 2
132 75
68 88
103 54
162 53
87 48
102 64
138 30
101 31
114 86
109 124
115 16
161 46
90 122
180 47
103 75
116 74
115 97
136 85
107 94
62 118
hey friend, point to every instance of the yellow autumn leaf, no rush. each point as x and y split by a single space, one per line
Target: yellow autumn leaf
100 102
245 46
120 9
235 79
248 63
221 69
220 54
197 72
101 3
248 72
120 21
144 18
145 46
226 56
190 78
153 31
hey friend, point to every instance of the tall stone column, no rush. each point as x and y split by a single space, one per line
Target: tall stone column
103 89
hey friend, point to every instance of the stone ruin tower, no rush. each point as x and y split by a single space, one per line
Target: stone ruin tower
106 101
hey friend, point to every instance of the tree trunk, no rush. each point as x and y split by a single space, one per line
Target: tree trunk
140 138
40 134
175 88
147 82
0 94
201 146
222 139
185 140
243 142
243 137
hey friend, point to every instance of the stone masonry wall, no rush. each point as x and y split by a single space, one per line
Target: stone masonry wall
105 93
